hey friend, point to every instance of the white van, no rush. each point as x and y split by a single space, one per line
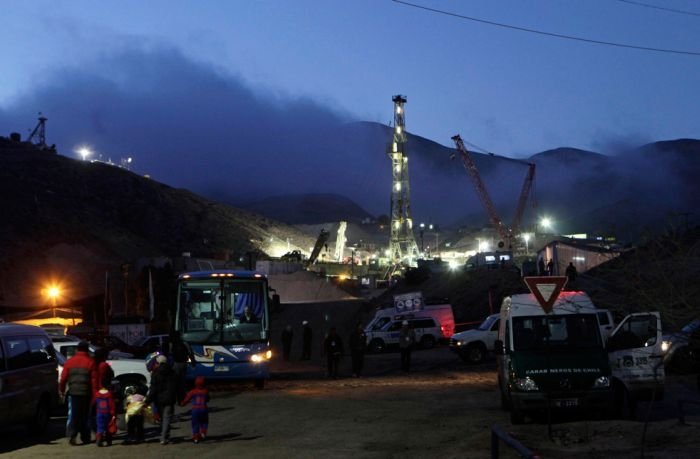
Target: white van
28 377
432 324
560 360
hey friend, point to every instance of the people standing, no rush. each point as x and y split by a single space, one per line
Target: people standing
541 270
78 381
571 273
307 338
163 392
180 354
134 406
407 339
104 412
550 267
287 335
358 346
199 396
333 348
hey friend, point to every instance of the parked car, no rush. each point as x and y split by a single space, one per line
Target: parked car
474 345
152 343
679 357
127 372
28 384
68 347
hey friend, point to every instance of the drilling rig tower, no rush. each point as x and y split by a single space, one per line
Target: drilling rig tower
402 244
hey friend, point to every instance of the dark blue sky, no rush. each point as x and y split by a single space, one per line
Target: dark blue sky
171 83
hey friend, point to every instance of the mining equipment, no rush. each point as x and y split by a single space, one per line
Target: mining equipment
38 135
507 233
320 242
402 243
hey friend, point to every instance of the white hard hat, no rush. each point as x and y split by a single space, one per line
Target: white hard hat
161 359
405 322
306 322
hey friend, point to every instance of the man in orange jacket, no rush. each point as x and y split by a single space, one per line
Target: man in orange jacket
79 382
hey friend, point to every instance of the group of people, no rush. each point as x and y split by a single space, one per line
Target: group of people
85 383
333 348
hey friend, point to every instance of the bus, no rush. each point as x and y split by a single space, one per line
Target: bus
223 316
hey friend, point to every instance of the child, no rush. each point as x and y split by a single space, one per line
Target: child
200 412
133 408
104 407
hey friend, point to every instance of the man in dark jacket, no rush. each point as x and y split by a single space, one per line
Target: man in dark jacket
358 345
79 377
163 393
333 348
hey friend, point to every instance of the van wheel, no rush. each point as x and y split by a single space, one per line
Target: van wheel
40 420
476 353
427 342
376 346
260 383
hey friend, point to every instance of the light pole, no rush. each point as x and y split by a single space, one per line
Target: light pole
526 236
352 264
53 293
422 229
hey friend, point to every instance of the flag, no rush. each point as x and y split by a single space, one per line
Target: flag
151 299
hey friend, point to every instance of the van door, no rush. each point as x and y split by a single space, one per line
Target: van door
606 324
636 360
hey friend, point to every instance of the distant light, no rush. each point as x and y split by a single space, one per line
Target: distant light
526 236
398 187
84 152
546 222
398 129
422 225
395 147
398 109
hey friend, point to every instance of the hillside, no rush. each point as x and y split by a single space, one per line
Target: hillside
308 208
74 220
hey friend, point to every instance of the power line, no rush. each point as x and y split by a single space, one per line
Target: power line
550 34
672 10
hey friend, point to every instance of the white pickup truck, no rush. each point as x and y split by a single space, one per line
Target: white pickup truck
474 345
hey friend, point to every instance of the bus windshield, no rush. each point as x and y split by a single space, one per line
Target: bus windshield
570 331
222 310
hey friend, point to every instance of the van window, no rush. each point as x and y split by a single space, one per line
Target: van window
41 350
2 358
18 355
395 326
638 331
423 323
566 331
379 324
603 318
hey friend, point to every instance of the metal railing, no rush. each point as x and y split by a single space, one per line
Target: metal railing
498 436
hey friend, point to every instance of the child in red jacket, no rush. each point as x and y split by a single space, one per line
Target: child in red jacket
104 407
200 412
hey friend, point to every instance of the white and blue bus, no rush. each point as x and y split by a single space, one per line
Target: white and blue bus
223 316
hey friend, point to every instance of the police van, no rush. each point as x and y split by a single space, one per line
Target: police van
560 360
28 377
432 324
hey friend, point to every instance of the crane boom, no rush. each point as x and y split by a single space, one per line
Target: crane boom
470 166
507 233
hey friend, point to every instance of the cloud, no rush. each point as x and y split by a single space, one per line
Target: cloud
185 123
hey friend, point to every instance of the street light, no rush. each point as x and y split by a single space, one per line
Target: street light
546 222
53 292
422 229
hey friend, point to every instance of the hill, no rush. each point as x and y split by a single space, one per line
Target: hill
73 220
308 208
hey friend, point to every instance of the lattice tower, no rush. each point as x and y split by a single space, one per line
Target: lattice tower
402 244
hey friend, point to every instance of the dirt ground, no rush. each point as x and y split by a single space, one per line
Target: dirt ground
443 408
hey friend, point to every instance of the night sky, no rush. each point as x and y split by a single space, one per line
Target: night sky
216 95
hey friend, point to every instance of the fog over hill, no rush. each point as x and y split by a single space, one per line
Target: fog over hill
71 219
193 126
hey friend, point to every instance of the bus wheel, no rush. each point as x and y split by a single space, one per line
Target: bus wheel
260 383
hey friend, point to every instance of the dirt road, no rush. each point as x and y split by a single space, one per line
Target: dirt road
443 408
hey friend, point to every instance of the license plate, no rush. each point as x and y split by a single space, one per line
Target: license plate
566 402
220 368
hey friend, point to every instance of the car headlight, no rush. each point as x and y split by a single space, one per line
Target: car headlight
261 357
665 345
459 343
526 384
602 382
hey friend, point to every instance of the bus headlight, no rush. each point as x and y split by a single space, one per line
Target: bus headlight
526 384
261 357
602 382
